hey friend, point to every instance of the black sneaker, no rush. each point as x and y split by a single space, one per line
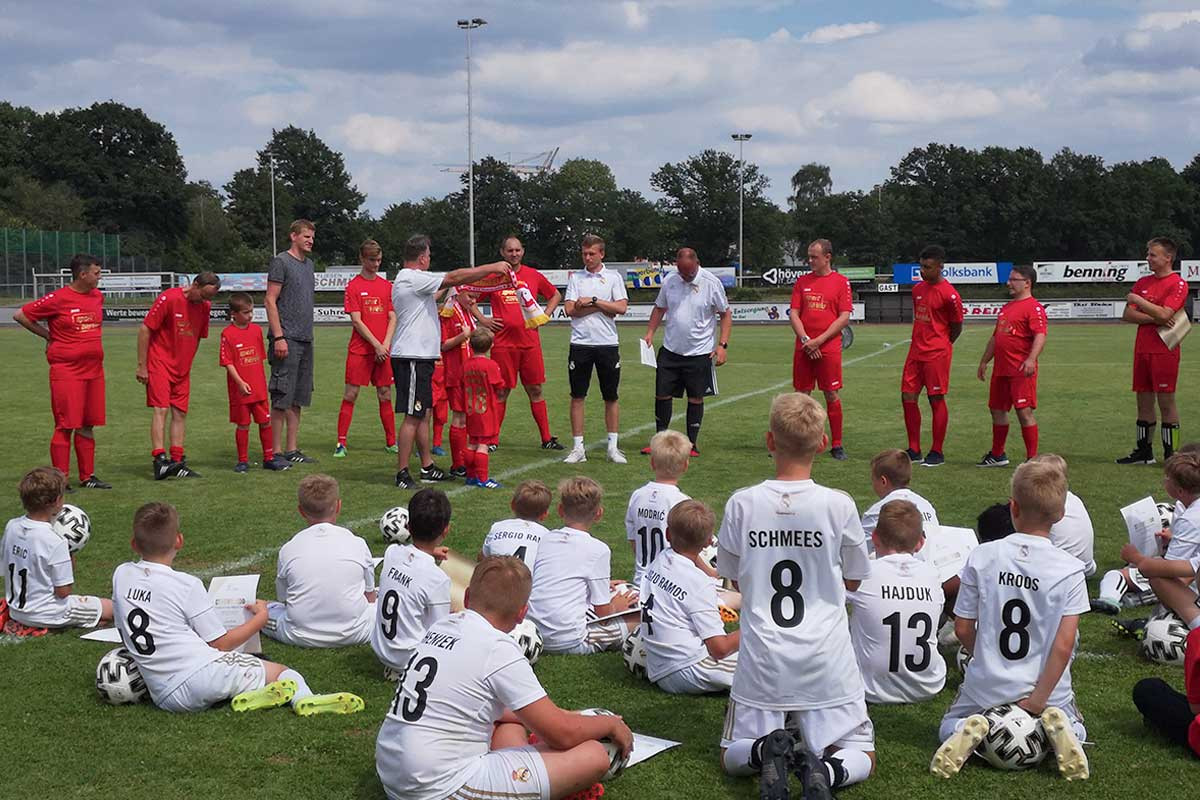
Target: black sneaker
1103 606
913 455
277 463
838 453
241 467
95 483
182 470
1133 628
163 467
433 473
774 753
990 460
404 480
934 459
458 472
552 444
297 457
1138 456
814 777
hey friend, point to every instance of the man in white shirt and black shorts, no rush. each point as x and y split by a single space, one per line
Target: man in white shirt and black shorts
691 299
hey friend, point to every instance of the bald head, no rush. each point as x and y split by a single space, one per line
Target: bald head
688 263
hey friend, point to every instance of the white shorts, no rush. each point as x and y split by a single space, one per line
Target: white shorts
217 681
844 727
601 637
962 708
281 629
708 675
514 773
76 611
1138 579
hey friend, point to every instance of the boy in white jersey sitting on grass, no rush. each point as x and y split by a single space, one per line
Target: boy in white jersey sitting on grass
572 576
459 726
646 517
1017 615
896 613
183 652
521 535
793 548
325 581
39 568
687 648
1074 532
413 592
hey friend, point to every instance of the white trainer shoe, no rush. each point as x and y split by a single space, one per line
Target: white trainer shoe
576 455
616 456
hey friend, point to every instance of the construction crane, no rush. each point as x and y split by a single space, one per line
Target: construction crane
533 165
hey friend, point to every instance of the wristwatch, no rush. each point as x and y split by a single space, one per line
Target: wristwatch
594 299
724 345
804 339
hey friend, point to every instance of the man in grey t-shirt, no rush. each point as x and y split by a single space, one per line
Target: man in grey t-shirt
291 286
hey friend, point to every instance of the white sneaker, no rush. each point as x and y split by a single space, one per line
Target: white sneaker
616 456
576 455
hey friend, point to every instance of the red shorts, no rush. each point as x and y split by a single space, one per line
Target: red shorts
932 376
77 403
824 372
1012 391
473 440
163 392
525 362
241 413
1156 372
456 398
367 371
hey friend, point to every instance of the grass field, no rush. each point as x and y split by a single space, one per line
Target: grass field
62 742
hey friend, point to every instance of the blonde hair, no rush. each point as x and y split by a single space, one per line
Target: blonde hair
900 526
301 225
41 488
155 526
500 585
797 424
531 499
369 248
579 497
895 465
318 495
669 453
691 524
1184 471
1040 491
1053 459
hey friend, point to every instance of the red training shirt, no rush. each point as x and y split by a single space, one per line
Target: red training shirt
936 306
481 378
75 351
1020 321
820 300
1170 291
506 306
178 327
1191 683
373 300
244 349
452 359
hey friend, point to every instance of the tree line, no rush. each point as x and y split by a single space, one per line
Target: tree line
113 169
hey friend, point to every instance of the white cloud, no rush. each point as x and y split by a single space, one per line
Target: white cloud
1167 20
975 5
837 33
880 96
1137 82
636 18
278 109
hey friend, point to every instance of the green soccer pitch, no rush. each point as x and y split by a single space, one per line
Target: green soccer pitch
61 741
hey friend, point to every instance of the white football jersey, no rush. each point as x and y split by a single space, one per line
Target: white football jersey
646 523
515 537
461 678
166 621
323 575
790 545
1073 533
572 573
870 517
894 630
1018 589
1185 534
36 559
679 611
413 594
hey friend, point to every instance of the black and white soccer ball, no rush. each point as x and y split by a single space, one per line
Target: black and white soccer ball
118 680
74 525
1166 512
1015 739
529 639
629 590
616 762
394 526
708 554
962 659
634 653
1165 641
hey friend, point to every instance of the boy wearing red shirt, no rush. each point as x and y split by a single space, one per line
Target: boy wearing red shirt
1016 344
937 323
167 343
440 409
368 301
1152 304
820 309
73 317
481 381
457 321
242 354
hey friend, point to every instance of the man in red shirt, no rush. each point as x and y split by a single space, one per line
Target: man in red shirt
243 354
518 350
481 384
1152 305
820 309
937 323
167 343
457 318
368 301
1016 344
73 316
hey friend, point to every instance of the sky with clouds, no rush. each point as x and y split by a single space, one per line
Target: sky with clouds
635 83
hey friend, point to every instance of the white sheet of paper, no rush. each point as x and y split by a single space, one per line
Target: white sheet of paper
230 594
1180 328
647 747
947 551
108 635
1143 522
647 351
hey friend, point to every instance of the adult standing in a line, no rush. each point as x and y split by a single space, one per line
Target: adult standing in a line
291 290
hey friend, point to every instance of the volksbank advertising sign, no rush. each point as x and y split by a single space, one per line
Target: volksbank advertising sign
961 272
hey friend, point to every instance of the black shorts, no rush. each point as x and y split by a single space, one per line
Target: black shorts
414 385
678 374
607 360
291 377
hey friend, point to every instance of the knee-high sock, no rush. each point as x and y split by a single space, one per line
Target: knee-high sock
1145 434
847 767
834 410
941 421
695 415
85 456
1030 434
542 417
1169 433
501 410
267 441
1113 586
177 452
662 414
739 758
469 461
912 424
60 451
241 438
458 445
345 415
302 690
999 437
388 418
481 465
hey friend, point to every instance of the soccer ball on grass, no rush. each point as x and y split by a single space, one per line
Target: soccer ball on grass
1015 739
634 653
616 762
118 680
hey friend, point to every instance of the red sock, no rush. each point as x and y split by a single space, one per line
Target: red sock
912 424
1030 435
345 415
268 441
85 455
468 460
241 438
941 421
834 410
999 435
542 418
176 453
388 418
60 451
501 410
458 445
437 433
481 465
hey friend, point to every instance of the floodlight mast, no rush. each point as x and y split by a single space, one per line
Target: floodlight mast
469 25
741 139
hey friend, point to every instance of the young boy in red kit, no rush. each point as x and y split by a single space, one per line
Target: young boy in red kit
457 324
481 380
242 354
441 408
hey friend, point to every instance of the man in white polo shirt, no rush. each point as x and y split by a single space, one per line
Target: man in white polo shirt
595 298
691 299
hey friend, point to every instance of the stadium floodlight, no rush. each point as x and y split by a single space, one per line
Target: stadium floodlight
469 25
274 234
741 139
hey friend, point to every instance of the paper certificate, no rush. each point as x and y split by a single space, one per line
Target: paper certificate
1143 522
1179 328
646 747
647 351
230 594
947 550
